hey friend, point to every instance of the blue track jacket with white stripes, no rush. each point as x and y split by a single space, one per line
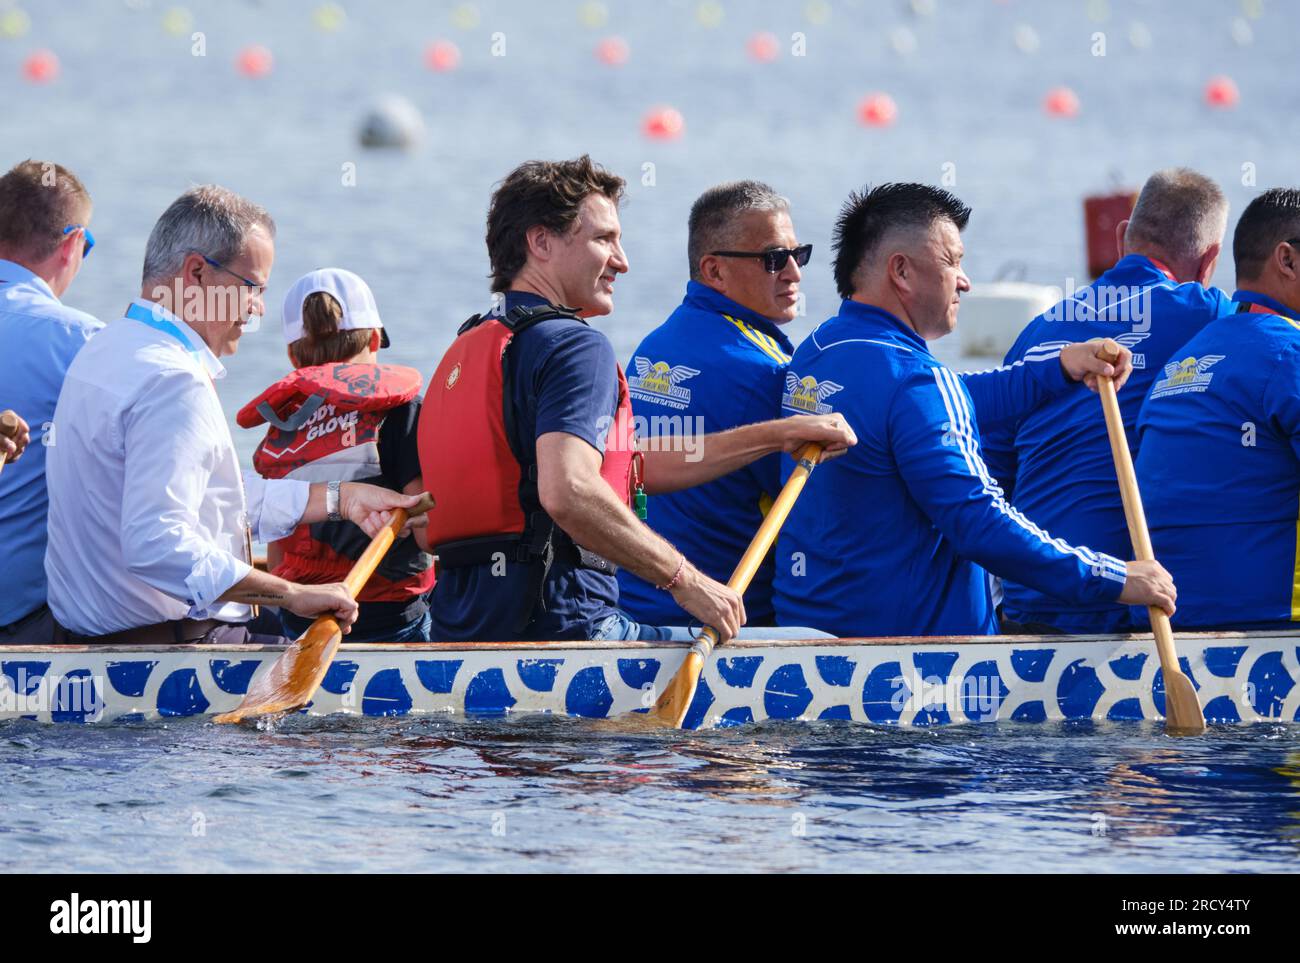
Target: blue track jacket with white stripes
1055 463
895 536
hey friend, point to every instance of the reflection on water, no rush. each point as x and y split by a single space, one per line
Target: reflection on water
551 793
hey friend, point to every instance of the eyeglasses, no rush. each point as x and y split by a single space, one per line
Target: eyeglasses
255 288
775 259
90 238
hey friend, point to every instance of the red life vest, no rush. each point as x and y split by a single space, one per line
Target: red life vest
324 426
484 485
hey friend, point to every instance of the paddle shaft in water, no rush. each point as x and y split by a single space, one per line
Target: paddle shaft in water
670 709
292 680
1182 709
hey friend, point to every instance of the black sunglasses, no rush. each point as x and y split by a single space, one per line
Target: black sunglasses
775 259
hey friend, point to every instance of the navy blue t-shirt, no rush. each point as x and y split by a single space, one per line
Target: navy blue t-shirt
565 378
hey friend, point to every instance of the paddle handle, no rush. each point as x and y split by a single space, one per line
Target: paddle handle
1134 513
805 459
8 428
379 545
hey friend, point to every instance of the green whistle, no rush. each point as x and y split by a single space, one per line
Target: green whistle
639 503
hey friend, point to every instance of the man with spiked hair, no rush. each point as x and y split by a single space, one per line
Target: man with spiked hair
898 537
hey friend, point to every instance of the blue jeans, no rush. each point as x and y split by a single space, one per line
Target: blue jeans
620 628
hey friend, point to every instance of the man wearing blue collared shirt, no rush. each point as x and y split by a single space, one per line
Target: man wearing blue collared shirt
149 513
44 236
719 362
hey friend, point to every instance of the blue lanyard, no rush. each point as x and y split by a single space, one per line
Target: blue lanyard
159 322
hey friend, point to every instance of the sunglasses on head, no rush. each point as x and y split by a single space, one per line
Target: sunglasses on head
775 259
90 238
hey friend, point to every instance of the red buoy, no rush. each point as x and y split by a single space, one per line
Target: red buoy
763 47
877 110
41 67
612 51
1222 92
1061 102
1102 214
663 123
441 56
254 61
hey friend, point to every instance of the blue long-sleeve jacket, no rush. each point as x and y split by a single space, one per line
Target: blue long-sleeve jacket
895 536
1054 462
1219 469
713 365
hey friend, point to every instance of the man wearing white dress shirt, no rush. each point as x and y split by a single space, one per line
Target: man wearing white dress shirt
148 509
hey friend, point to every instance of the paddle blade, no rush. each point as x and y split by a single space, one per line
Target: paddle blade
1183 715
670 708
292 680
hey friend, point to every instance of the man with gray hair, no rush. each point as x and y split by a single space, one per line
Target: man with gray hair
149 534
719 362
1054 463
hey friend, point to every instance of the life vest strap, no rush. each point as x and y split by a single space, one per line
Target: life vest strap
295 420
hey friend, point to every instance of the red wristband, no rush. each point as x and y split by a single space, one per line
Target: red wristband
677 577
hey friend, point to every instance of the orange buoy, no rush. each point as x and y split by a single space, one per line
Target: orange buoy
41 67
877 110
1061 102
663 123
612 51
254 61
1222 92
763 47
441 56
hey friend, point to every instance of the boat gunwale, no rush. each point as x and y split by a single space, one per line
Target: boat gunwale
636 645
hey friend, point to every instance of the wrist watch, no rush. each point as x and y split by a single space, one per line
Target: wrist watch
332 501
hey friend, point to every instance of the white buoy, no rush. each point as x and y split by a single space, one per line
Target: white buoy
392 121
994 313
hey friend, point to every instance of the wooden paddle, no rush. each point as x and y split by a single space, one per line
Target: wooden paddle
9 428
1183 714
293 679
670 709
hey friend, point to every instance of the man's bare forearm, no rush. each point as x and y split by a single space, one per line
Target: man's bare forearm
259 588
591 514
710 457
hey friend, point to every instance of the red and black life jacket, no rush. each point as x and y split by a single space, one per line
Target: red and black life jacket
482 476
324 426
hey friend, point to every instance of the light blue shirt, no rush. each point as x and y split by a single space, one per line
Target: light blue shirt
39 336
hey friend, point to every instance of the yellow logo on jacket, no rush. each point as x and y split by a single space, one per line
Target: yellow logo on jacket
659 382
1189 375
808 395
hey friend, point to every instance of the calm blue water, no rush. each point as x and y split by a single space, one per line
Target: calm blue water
140 119
549 794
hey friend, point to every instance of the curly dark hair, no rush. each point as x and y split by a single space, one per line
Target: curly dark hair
540 192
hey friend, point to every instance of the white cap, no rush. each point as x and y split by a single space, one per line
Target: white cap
352 294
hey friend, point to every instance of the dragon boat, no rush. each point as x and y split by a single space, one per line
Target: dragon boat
1239 677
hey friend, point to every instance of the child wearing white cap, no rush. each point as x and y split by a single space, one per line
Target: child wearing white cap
341 416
